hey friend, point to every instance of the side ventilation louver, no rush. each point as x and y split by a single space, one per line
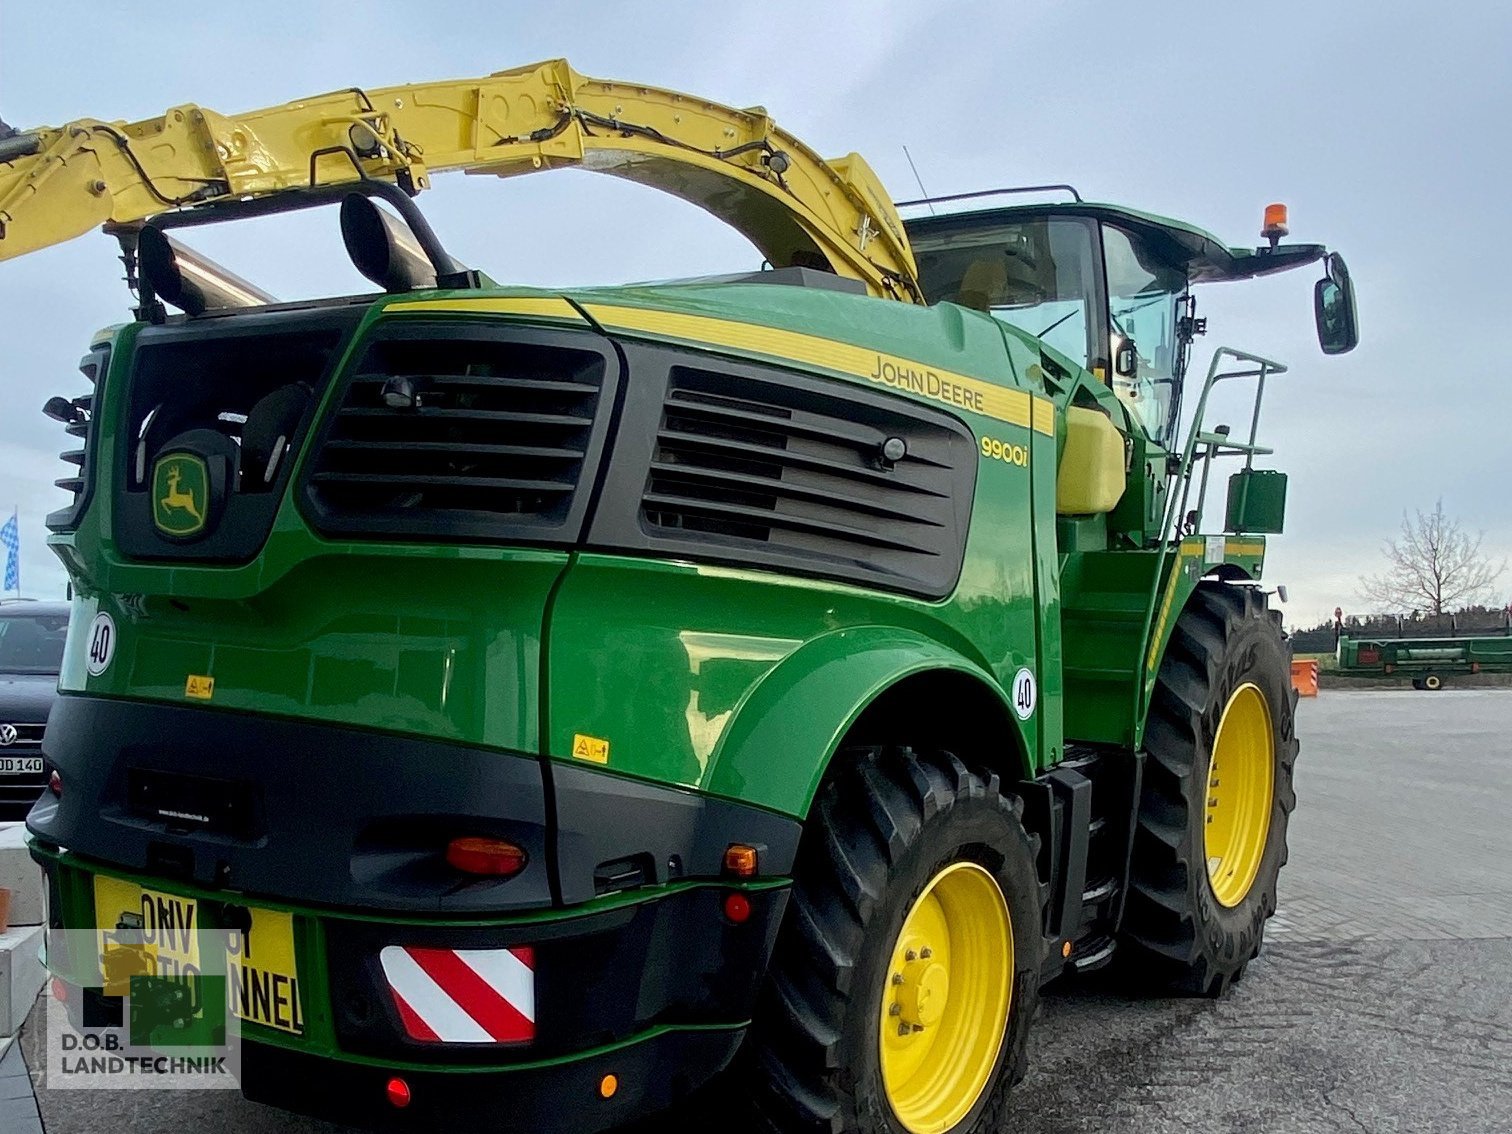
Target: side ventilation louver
471 435
92 366
808 476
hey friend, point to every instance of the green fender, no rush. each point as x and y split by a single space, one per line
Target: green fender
790 725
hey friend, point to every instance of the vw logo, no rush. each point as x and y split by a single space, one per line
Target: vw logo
8 735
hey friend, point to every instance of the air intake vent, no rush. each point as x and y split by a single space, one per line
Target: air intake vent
81 411
473 433
761 468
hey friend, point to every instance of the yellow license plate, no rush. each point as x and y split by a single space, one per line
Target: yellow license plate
146 932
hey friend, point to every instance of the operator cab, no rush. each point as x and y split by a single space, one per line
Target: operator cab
1109 288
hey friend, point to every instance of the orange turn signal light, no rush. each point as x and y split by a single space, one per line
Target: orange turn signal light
492 857
1275 221
608 1085
741 861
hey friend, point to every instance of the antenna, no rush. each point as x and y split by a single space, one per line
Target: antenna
917 178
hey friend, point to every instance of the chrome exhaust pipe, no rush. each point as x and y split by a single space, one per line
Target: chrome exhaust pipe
189 281
382 247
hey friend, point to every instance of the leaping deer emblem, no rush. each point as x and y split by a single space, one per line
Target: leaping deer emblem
177 499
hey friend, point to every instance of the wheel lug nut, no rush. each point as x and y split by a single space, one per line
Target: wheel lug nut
897 978
918 1027
904 1029
926 953
910 956
895 1009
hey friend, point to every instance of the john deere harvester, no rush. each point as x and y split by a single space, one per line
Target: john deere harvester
566 697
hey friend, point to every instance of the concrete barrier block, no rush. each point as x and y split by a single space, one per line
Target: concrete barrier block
22 975
20 875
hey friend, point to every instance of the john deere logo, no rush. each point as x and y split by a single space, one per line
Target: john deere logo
180 494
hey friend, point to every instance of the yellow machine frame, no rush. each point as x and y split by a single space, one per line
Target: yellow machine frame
796 207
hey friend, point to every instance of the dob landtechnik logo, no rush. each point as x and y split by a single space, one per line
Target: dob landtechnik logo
146 1004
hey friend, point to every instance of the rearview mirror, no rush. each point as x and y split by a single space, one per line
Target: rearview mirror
1334 308
1126 359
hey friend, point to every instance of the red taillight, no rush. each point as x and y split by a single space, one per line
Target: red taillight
398 1092
737 907
492 857
55 783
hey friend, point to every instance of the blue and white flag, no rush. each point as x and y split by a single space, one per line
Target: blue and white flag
10 541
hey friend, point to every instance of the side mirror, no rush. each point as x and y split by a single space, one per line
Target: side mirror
1334 308
1126 359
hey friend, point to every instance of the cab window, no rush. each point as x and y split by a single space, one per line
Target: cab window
1143 293
1037 275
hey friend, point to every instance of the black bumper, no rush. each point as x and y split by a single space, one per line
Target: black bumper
649 1075
639 972
305 812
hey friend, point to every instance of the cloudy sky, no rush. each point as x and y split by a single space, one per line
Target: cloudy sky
1384 127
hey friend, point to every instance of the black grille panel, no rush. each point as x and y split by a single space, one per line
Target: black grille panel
475 433
92 366
761 467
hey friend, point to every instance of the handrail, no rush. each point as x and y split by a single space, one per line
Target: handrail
1171 535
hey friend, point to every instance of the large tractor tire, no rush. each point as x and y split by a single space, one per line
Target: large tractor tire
907 969
1217 793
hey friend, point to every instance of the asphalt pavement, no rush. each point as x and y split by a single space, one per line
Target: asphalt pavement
1382 1002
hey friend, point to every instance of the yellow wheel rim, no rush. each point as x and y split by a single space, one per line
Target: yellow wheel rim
1240 785
945 999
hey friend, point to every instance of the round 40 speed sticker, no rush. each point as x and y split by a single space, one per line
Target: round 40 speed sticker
102 644
1024 693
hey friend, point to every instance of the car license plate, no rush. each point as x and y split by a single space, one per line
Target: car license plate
262 978
20 765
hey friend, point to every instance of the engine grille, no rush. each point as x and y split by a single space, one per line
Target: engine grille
760 467
92 366
462 434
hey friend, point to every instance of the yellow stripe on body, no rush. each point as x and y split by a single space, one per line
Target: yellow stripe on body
1187 547
1044 417
539 307
1016 407
1233 547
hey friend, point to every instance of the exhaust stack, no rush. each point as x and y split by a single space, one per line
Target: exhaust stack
383 248
194 283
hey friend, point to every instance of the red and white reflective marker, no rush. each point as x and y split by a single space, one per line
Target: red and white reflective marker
463 995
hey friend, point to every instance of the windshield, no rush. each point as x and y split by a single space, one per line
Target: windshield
1143 295
32 643
1035 275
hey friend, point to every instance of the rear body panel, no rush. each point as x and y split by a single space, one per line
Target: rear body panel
649 654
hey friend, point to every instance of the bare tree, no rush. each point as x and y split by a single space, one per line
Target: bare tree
1435 565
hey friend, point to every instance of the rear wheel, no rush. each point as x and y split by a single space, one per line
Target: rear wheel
906 974
1216 797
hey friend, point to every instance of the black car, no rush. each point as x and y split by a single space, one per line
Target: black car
31 651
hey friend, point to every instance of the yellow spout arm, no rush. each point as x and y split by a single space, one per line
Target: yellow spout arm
796 207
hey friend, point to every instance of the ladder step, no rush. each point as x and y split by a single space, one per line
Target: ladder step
1100 892
1093 953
